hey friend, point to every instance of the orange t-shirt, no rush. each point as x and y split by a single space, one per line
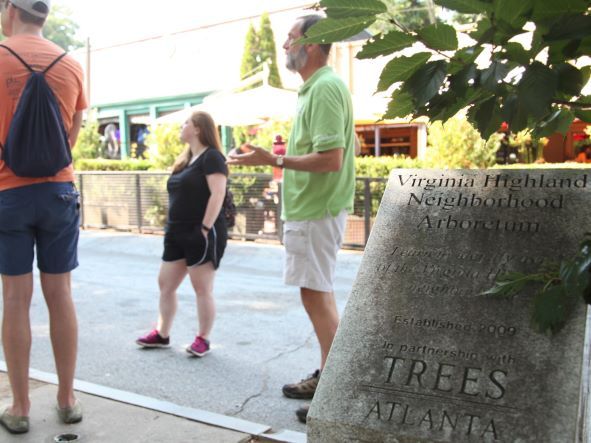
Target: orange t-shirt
66 79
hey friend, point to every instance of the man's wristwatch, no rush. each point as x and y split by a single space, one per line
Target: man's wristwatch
279 161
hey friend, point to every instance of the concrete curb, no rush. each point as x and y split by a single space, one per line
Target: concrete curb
198 415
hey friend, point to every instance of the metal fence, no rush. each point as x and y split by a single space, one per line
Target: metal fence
138 201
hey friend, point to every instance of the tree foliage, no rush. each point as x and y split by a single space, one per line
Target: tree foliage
259 49
88 144
167 143
559 287
250 60
60 28
456 144
498 74
268 52
409 14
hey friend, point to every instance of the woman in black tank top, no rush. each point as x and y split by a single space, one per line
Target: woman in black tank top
196 232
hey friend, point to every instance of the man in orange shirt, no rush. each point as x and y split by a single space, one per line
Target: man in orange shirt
37 212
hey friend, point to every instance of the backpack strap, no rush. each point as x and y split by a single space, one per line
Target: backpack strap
19 57
53 63
28 66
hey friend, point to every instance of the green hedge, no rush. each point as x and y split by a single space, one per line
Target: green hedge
101 164
380 167
566 165
374 167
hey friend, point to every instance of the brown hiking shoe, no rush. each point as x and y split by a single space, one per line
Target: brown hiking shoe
304 389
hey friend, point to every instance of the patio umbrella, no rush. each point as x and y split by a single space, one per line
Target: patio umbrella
250 107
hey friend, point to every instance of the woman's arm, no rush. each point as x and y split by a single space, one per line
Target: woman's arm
217 188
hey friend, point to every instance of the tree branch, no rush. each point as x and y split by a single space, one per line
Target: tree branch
582 106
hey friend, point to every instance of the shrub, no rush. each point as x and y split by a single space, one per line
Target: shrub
102 164
456 144
88 144
166 145
381 166
262 135
376 167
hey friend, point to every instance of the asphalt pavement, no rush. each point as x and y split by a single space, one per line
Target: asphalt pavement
261 340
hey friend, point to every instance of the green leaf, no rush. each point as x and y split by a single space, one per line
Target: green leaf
537 43
516 52
559 121
504 32
491 76
335 30
544 9
465 6
352 8
584 48
559 51
514 113
537 88
439 36
513 12
386 44
508 284
464 79
550 310
568 277
485 31
463 58
583 115
570 79
471 95
400 105
586 73
487 117
401 68
426 81
569 28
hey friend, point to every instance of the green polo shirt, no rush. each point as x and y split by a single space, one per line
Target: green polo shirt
324 121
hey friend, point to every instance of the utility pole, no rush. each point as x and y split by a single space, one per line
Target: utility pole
88 70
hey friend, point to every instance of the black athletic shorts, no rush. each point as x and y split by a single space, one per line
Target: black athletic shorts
190 243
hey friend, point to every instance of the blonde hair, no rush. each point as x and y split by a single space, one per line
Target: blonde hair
208 136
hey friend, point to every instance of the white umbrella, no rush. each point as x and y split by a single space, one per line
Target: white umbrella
250 107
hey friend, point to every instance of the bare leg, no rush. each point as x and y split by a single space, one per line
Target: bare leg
170 278
63 328
322 311
17 292
202 280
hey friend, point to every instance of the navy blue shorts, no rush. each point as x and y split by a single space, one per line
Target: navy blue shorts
45 215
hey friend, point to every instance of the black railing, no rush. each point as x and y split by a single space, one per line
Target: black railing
138 201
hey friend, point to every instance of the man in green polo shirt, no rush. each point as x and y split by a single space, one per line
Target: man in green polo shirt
318 189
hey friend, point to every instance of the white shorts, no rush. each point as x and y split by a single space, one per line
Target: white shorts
311 248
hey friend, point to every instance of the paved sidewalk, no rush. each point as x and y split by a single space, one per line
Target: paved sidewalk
117 416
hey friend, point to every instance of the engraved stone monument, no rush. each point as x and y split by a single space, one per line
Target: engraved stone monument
421 355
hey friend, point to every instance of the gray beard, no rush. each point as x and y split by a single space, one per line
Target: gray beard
296 61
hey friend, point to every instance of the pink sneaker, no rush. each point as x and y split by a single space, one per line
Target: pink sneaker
153 340
199 347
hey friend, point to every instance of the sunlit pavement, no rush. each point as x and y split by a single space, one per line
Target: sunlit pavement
262 338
